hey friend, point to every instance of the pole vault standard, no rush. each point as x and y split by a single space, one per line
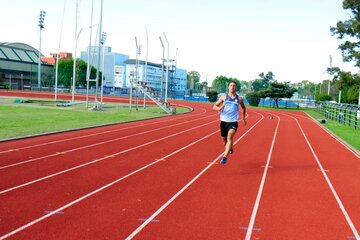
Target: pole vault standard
167 69
146 63
57 55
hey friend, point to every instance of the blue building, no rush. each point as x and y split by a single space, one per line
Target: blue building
114 65
119 70
151 74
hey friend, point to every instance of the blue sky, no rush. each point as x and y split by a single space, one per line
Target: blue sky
234 38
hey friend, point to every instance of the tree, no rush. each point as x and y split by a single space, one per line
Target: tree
203 86
193 81
350 30
264 81
65 73
276 91
220 83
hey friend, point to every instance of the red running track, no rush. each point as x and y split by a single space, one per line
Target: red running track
160 179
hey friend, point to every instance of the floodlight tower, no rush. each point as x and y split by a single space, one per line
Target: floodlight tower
41 27
329 79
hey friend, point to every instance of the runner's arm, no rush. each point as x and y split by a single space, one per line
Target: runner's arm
243 110
219 104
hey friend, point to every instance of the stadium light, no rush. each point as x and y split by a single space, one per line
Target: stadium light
41 27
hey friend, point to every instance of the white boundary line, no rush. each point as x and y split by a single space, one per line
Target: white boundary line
101 159
152 217
96 144
261 187
346 215
99 189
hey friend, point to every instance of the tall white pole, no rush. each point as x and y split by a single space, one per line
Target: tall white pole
146 63
103 37
57 56
99 53
74 67
88 56
162 68
167 69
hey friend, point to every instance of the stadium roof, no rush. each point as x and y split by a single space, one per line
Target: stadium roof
18 52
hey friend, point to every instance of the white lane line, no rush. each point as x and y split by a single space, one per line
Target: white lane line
96 144
308 117
101 159
261 187
153 216
99 189
346 215
91 135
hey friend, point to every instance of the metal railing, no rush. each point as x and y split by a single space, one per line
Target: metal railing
347 114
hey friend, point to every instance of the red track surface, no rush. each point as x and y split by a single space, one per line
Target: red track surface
160 179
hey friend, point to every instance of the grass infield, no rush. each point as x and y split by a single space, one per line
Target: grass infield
349 134
42 116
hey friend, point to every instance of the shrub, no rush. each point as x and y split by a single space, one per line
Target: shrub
253 98
323 97
212 95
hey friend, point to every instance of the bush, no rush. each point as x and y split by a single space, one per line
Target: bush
323 97
212 95
253 98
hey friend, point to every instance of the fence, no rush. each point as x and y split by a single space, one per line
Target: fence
287 103
347 114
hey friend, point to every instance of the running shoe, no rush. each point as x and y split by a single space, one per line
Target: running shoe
231 151
223 160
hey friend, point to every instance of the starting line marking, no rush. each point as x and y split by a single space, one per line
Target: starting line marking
263 166
48 211
325 170
145 219
253 229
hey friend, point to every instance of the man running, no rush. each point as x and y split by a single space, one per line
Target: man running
228 105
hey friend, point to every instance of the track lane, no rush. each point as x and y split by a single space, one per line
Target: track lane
341 166
296 202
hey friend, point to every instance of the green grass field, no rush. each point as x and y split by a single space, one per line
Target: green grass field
37 117
348 134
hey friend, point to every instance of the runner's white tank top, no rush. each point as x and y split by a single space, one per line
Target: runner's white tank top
230 113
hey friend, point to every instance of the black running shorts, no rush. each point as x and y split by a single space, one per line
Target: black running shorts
226 126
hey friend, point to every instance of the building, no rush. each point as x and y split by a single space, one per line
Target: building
19 67
52 59
151 74
119 70
114 66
